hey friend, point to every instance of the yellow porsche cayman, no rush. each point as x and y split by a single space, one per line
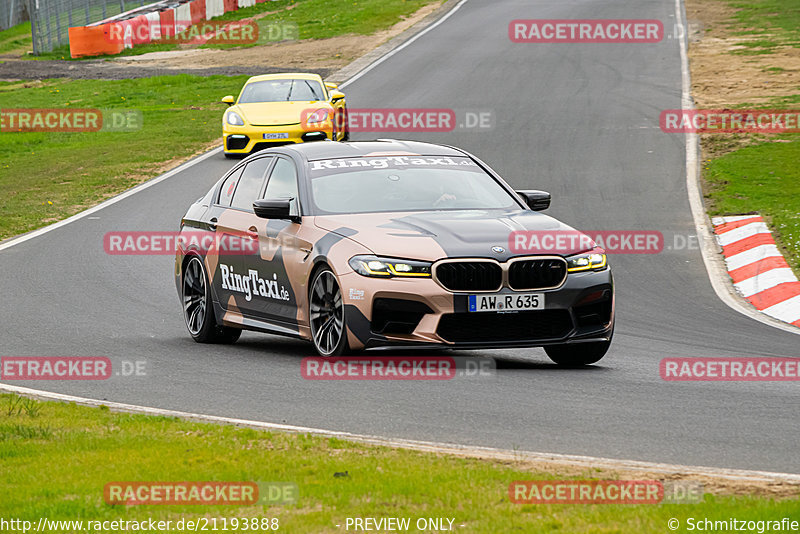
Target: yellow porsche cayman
279 109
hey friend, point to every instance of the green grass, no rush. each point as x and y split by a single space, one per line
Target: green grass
16 40
57 461
765 178
49 176
45 177
313 19
777 20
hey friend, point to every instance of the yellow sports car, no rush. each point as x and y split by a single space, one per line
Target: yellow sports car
281 109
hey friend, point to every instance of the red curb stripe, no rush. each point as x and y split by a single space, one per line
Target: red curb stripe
758 267
747 243
728 226
775 295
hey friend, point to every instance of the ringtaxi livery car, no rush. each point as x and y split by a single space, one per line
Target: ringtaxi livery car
388 243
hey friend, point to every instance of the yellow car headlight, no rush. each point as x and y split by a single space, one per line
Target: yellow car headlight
376 267
586 262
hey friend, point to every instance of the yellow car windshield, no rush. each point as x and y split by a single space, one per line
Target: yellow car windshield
282 91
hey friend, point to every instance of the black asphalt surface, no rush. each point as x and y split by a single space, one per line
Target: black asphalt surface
579 120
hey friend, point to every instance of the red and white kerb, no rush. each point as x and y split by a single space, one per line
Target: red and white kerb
758 269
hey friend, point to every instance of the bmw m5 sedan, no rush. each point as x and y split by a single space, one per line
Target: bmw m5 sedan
368 245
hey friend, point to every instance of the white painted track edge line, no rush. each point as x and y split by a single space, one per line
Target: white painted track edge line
394 51
430 446
715 266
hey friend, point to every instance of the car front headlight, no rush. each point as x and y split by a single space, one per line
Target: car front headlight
377 267
234 119
320 115
586 262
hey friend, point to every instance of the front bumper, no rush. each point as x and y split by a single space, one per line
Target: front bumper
420 313
247 139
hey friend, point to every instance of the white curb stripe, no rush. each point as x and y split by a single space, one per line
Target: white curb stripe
788 310
743 232
764 281
753 255
733 218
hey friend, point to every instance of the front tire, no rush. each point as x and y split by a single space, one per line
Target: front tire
326 314
577 354
198 310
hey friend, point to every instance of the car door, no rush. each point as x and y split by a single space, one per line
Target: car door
278 269
237 235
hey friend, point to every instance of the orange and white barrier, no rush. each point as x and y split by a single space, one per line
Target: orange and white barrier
154 21
183 17
86 41
198 10
167 18
113 36
214 8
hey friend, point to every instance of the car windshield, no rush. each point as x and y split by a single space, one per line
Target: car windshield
404 183
282 91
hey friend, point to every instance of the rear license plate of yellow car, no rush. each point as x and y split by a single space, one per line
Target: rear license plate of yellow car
505 302
276 136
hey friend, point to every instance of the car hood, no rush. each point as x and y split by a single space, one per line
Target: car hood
430 236
277 113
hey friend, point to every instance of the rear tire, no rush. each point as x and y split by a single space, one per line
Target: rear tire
577 354
198 310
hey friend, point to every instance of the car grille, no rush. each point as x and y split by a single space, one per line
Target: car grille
521 326
470 276
537 273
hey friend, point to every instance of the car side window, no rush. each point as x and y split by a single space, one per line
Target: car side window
250 183
228 187
283 180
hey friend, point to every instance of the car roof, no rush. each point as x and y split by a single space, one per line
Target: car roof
319 150
286 75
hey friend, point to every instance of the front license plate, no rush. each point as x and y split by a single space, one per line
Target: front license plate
513 302
276 136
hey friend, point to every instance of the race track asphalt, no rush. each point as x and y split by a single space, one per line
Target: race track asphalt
578 120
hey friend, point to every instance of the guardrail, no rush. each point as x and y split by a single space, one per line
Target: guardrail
107 27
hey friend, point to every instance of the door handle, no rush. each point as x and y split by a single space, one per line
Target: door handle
252 232
213 223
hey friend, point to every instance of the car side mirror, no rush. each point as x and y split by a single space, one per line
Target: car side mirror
275 208
535 199
336 95
331 85
228 100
